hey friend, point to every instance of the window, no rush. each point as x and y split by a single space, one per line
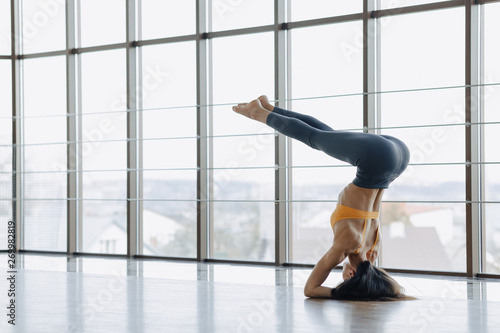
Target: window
5 148
413 63
169 155
5 30
243 160
43 26
104 150
491 102
168 18
386 4
102 22
230 14
307 9
45 154
321 70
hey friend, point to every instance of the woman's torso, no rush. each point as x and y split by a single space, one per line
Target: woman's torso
367 200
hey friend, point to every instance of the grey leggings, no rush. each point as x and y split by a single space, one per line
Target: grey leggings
379 158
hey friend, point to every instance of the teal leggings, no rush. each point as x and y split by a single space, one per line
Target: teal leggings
379 158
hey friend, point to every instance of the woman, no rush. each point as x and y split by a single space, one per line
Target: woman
379 160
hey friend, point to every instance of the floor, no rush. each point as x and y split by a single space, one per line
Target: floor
87 294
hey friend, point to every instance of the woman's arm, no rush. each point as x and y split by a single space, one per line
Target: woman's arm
313 288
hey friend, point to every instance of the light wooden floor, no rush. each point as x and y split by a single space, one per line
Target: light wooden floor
59 294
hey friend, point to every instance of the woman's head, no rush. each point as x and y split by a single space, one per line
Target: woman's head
367 283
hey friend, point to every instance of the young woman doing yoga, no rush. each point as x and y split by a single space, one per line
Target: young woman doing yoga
379 160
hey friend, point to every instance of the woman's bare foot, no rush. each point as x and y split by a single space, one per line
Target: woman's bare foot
264 101
253 110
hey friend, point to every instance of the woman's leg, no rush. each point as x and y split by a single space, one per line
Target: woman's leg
305 118
334 143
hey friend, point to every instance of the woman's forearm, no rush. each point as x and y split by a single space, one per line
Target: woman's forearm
319 292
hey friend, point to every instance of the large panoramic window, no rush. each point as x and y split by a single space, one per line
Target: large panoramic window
136 109
426 202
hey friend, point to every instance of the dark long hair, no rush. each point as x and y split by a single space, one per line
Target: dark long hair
370 283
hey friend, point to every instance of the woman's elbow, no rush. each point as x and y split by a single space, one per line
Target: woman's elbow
308 291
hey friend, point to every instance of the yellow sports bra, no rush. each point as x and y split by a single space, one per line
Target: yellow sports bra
343 212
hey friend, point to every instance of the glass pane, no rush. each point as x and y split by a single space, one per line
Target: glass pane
432 144
254 72
104 89
431 107
307 9
169 127
169 185
312 235
440 226
384 4
45 94
45 91
168 18
491 43
492 181
491 65
5 215
430 56
5 28
104 185
230 14
169 80
105 224
332 67
45 185
245 77
492 241
429 183
168 154
491 140
170 226
102 22
243 231
244 151
320 183
43 26
45 158
45 225
5 148
243 184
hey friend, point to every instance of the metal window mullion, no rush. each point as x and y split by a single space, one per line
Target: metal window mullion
17 127
289 165
280 86
481 152
472 115
134 239
74 233
370 119
203 188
